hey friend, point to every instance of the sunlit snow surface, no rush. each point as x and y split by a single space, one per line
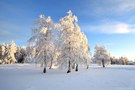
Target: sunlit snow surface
30 77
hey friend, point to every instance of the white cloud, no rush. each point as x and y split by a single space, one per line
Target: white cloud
122 28
110 28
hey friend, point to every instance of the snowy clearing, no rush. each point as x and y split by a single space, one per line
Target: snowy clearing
30 77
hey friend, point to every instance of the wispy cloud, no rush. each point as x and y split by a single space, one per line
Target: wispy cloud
109 44
10 31
7 31
123 5
110 28
107 7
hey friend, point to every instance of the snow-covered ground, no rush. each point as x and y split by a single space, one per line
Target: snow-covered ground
30 77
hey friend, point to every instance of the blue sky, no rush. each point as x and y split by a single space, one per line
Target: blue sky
106 22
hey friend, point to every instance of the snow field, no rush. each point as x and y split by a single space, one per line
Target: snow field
30 77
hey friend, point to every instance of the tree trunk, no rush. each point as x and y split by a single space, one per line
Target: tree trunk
69 67
45 65
69 63
44 71
76 69
87 67
51 64
103 63
45 52
73 66
87 64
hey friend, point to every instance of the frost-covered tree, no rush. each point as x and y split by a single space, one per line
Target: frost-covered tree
113 60
101 55
10 58
85 50
52 56
3 49
69 40
123 60
72 38
42 40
